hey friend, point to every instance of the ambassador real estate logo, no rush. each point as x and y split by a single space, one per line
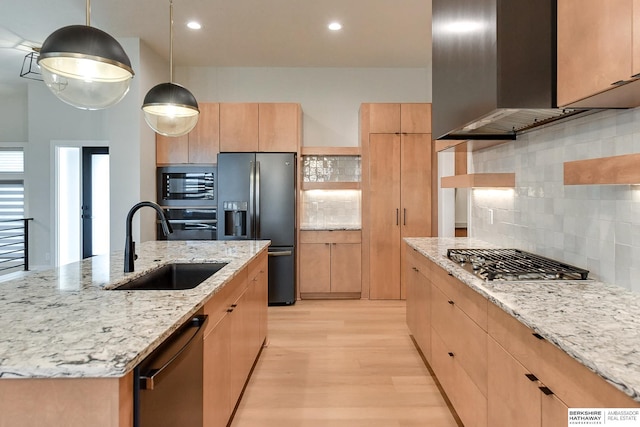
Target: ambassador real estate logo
614 417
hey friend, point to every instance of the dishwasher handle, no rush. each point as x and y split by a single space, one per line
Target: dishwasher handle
280 253
149 380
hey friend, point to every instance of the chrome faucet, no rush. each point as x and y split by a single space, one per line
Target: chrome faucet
130 245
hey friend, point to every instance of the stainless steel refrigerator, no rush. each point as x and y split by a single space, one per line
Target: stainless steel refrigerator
257 201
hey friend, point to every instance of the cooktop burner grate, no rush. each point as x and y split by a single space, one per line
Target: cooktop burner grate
514 264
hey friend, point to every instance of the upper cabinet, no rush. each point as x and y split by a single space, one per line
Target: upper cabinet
239 127
234 127
201 145
279 127
598 53
268 127
399 118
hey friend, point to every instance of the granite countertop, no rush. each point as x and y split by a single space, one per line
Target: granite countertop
596 323
63 322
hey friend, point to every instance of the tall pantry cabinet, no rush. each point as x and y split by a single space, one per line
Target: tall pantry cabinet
398 197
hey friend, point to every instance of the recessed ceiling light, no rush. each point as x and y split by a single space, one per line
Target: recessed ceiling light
194 25
335 26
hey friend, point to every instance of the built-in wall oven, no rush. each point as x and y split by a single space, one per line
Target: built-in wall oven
188 195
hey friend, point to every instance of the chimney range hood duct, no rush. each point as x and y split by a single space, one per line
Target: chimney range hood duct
494 68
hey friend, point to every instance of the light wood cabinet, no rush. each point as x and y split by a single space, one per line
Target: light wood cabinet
400 205
259 280
554 411
315 268
495 370
216 381
468 401
417 273
514 398
572 382
330 264
442 316
462 336
398 191
201 145
232 340
399 118
279 127
239 127
384 216
596 42
267 127
234 127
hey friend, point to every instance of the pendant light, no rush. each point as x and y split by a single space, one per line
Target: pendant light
170 109
85 67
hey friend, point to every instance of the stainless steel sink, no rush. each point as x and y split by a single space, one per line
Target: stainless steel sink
176 276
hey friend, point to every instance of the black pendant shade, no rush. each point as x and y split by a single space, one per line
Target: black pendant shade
170 109
170 93
85 67
89 42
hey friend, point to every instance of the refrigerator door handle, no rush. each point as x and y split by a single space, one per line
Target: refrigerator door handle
257 207
252 186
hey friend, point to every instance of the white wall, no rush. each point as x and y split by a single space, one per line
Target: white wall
13 113
153 70
596 227
330 97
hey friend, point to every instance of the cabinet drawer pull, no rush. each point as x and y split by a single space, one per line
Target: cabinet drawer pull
450 274
397 216
451 302
451 354
234 305
531 377
618 83
546 390
229 310
537 335
404 216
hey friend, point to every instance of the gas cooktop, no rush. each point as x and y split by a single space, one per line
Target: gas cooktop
513 265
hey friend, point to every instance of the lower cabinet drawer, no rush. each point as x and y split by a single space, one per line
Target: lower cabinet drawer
470 301
575 384
467 399
463 337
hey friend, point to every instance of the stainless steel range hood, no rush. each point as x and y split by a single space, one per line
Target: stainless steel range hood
494 68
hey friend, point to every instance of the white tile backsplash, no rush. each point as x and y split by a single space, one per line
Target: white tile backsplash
592 226
327 209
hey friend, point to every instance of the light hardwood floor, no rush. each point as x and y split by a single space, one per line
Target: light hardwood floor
341 363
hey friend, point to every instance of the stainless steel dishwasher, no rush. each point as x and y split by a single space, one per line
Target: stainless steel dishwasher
168 383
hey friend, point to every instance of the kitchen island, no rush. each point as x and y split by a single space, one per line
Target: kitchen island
65 331
480 329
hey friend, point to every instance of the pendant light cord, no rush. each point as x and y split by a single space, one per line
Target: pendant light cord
88 13
170 41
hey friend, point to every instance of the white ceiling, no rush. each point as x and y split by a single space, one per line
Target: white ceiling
245 33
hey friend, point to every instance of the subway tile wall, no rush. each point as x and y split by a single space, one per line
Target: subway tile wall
596 227
331 209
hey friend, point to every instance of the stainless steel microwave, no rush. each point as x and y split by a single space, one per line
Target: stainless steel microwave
187 186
